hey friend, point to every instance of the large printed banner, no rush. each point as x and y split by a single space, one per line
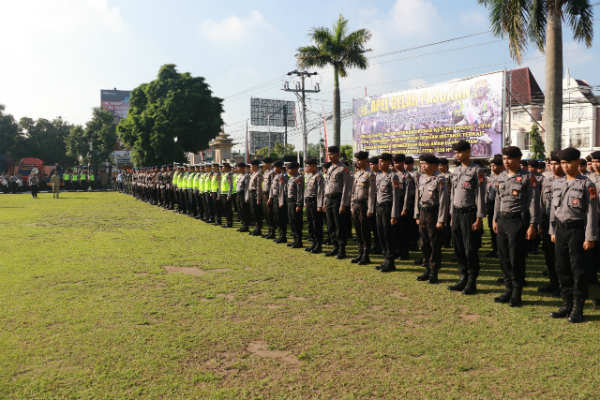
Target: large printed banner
432 119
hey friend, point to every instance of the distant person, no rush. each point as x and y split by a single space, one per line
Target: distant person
34 184
55 183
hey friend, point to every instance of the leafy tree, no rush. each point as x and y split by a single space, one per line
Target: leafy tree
339 49
43 139
93 144
278 151
536 144
541 22
9 131
172 114
346 153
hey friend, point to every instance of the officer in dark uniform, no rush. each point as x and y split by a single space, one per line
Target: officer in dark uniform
497 167
574 231
295 203
254 196
516 216
446 233
313 203
431 207
276 201
362 205
338 188
267 179
468 211
376 249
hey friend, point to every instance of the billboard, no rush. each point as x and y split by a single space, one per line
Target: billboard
267 112
259 139
116 101
432 119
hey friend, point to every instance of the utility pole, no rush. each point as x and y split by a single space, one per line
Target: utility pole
285 126
300 91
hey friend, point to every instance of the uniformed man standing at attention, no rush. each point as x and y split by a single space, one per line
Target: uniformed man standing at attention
431 206
338 188
388 209
376 249
446 234
243 178
267 180
516 217
254 196
313 203
362 205
497 167
277 201
225 195
467 213
295 203
574 231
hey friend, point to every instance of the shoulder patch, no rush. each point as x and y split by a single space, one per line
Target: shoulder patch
592 190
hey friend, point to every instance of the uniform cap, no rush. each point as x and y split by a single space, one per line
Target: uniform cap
569 154
541 164
443 161
399 158
293 165
255 162
461 145
373 160
240 165
583 162
385 157
429 158
595 155
532 163
497 160
267 160
554 156
409 160
278 164
311 161
361 155
513 152
333 149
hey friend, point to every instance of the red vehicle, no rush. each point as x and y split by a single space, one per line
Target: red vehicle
25 166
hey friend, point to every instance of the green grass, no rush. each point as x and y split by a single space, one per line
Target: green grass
88 310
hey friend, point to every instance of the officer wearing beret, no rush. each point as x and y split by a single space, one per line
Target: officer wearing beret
516 216
338 189
362 205
446 233
277 197
243 178
497 167
431 207
376 249
402 232
574 231
313 203
267 181
295 203
467 212
254 196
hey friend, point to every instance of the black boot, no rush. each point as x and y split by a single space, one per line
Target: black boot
317 249
460 285
565 310
364 260
515 297
297 244
424 276
471 286
388 266
505 297
433 275
342 253
311 248
358 257
333 252
576 315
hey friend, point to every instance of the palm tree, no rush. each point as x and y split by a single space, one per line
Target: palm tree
541 22
341 51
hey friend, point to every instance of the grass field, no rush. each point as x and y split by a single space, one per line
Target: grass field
102 296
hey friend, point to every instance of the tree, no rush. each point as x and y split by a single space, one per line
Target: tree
541 22
43 139
339 49
93 144
172 114
9 131
536 144
346 153
278 151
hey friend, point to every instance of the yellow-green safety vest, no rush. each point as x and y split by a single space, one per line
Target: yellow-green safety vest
82 177
65 177
214 183
74 178
224 183
175 179
92 178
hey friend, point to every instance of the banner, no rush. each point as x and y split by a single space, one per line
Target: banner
115 101
432 119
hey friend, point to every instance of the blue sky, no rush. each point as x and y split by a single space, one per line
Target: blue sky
57 55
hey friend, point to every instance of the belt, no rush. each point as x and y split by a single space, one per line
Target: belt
428 209
384 204
310 198
358 201
571 224
333 195
514 215
465 210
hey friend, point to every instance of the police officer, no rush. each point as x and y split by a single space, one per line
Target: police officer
376 249
338 188
362 205
295 203
243 178
225 195
388 209
313 203
215 184
574 231
516 216
277 197
431 207
446 233
402 231
267 180
467 212
497 167
254 196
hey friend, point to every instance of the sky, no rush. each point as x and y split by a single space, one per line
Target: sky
58 54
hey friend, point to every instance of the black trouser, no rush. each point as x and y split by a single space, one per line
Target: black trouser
315 221
256 210
295 218
372 220
361 225
226 210
549 252
215 208
570 259
490 221
431 238
512 248
403 236
34 191
243 209
336 222
279 218
384 230
466 241
268 213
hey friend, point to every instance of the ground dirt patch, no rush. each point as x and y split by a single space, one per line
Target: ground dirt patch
261 349
193 270
470 317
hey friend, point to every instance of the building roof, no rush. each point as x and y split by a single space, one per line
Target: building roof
524 88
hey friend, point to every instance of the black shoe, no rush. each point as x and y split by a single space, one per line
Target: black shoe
576 315
424 276
504 297
244 229
389 268
515 298
460 285
255 233
356 259
433 276
470 287
311 248
281 240
378 268
332 253
364 261
341 254
297 245
564 310
317 250
290 244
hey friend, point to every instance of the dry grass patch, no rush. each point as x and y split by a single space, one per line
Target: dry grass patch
261 349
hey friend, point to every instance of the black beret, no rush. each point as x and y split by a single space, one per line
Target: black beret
554 156
524 163
311 161
385 157
569 154
595 155
588 158
226 165
293 165
583 162
327 164
429 158
461 145
400 157
497 160
373 160
268 160
333 149
409 160
443 161
240 165
513 152
541 164
361 155
532 163
255 162
278 163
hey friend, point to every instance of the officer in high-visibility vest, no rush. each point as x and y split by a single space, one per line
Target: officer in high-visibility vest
82 180
196 190
226 194
74 179
215 184
92 179
204 192
66 179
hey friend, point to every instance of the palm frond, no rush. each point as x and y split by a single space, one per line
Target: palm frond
511 18
537 25
340 28
312 56
580 17
321 35
357 39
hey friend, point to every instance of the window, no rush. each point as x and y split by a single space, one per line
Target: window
579 137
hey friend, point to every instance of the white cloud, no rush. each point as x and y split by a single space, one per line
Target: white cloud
234 29
474 19
415 16
417 83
